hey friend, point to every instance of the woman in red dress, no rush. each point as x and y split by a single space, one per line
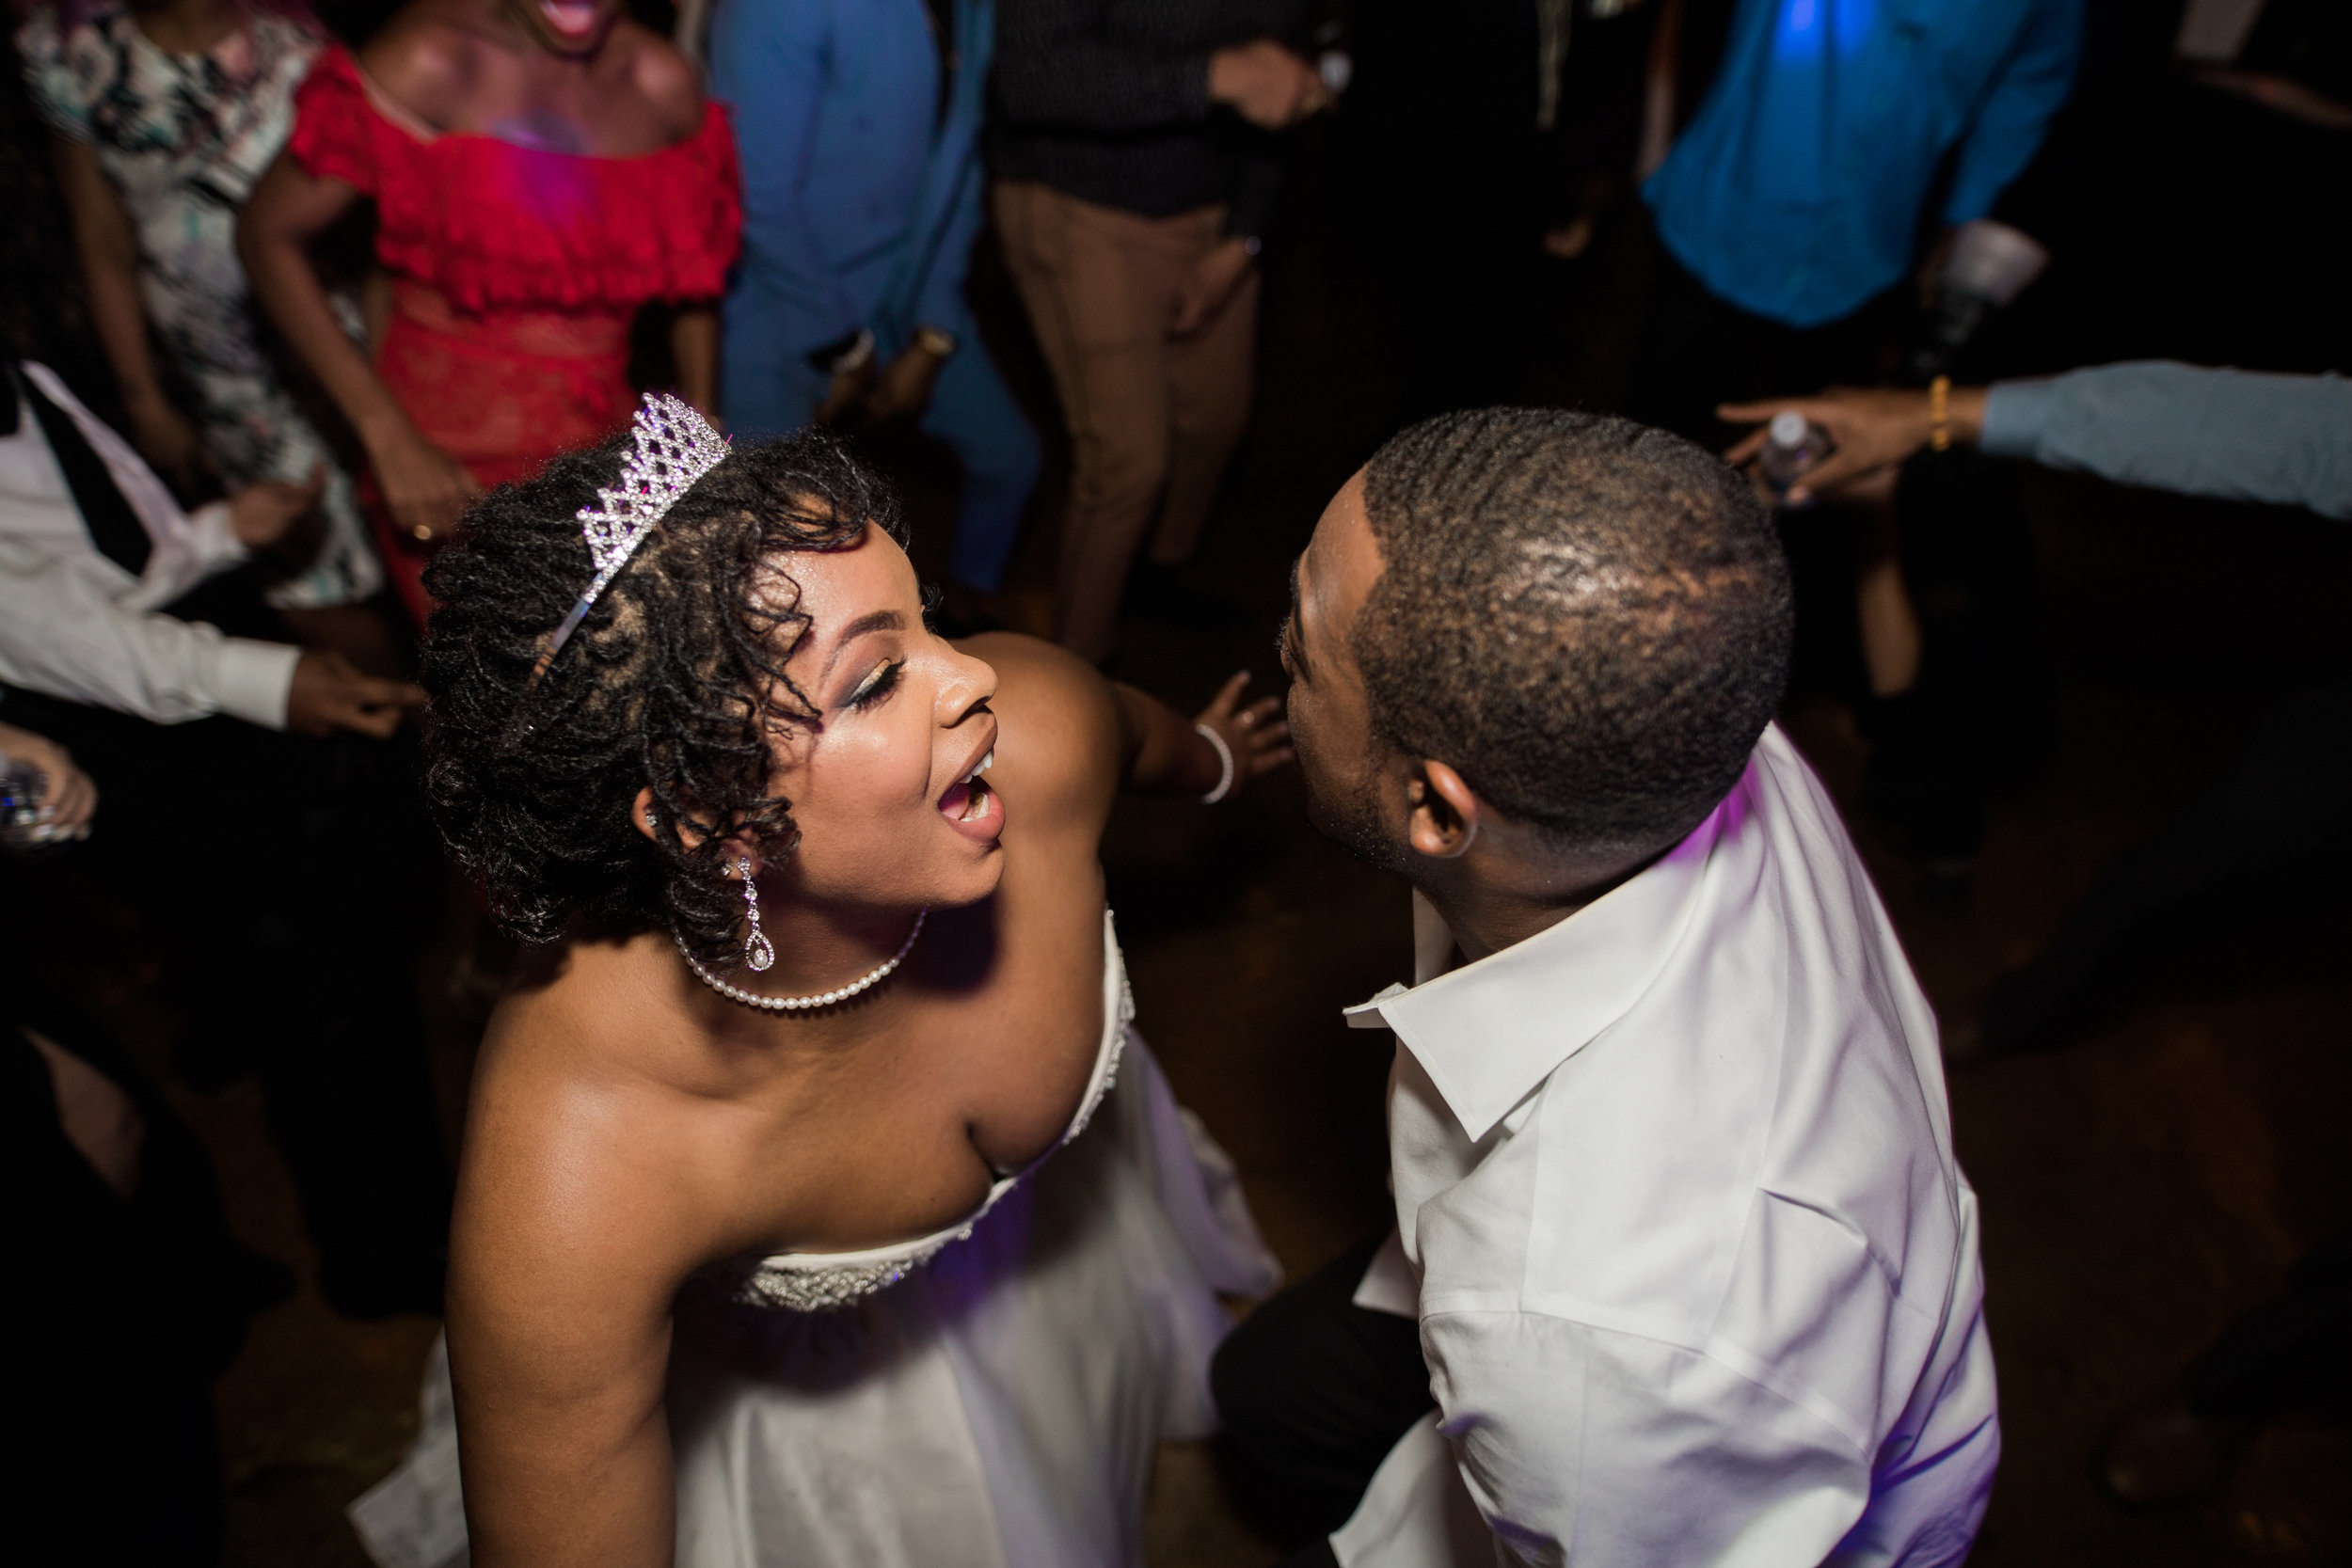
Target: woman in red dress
541 170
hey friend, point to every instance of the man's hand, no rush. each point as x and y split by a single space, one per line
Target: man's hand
1260 741
1210 284
905 384
166 439
330 695
1876 429
425 487
2284 94
68 797
847 392
261 514
1266 84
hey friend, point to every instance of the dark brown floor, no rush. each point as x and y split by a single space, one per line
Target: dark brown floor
2138 1189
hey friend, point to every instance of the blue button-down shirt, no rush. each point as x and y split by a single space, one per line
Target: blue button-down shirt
2239 434
1796 192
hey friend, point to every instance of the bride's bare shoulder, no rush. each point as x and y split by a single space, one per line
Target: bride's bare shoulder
1059 740
584 1155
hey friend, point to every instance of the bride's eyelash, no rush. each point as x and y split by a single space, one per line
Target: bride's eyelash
877 686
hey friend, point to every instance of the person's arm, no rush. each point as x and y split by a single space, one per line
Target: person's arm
1080 726
694 354
1165 752
1056 66
1873 430
187 547
2017 108
943 326
2236 434
63 634
1223 267
940 301
2284 94
110 271
767 65
569 1241
425 488
1640 1453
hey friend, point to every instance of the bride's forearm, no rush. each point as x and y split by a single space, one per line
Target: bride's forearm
1161 749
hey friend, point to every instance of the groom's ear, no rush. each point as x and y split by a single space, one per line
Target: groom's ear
1442 813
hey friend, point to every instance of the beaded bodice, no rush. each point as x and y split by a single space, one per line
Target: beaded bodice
816 1281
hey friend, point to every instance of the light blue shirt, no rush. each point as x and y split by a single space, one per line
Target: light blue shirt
1796 192
2285 439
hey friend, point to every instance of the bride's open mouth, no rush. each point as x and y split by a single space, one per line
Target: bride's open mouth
970 805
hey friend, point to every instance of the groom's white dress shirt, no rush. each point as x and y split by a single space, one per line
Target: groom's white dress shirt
1676 1204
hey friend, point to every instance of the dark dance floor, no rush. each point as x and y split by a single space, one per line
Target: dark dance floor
2139 1189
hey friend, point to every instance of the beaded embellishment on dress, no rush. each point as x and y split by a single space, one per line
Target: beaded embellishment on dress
821 1281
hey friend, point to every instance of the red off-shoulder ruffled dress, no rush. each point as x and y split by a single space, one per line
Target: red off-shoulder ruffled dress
515 274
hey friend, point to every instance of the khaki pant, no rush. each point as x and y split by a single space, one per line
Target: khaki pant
1153 419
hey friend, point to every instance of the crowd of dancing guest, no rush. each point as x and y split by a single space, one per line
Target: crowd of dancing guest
820 1199
539 174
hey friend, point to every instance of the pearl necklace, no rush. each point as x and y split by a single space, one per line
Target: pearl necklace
879 973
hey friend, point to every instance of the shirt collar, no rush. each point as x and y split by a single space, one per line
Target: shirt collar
1491 1032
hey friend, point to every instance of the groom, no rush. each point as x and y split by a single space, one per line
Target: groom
1685 1271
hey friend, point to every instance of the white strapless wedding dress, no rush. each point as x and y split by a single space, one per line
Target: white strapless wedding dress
987 1397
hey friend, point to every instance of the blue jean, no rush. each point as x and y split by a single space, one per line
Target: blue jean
769 387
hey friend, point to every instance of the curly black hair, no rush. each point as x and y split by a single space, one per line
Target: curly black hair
1588 619
675 681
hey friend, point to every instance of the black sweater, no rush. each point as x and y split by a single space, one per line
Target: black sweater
1108 100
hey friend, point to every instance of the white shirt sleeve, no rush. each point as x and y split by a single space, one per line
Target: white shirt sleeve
63 634
1634 1453
1417 1513
187 548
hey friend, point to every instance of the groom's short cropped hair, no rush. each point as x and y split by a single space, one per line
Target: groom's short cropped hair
1588 619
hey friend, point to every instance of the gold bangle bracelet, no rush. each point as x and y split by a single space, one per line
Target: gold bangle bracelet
1940 414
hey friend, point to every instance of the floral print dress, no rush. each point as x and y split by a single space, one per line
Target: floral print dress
183 138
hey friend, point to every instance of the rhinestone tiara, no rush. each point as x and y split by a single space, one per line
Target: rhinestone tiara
675 446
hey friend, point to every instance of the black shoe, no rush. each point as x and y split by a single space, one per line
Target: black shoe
1160 594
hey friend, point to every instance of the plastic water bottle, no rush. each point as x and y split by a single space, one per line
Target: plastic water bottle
23 821
1792 444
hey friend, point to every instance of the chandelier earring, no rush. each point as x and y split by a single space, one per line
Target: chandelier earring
758 952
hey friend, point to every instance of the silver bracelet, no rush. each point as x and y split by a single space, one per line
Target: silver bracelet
1224 762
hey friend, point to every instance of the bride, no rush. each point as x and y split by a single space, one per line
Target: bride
777 1237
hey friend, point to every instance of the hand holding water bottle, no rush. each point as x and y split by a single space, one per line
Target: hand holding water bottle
1870 430
44 798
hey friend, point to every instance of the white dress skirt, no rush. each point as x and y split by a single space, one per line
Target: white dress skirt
989 1397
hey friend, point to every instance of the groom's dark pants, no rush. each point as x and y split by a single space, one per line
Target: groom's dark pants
1314 1391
